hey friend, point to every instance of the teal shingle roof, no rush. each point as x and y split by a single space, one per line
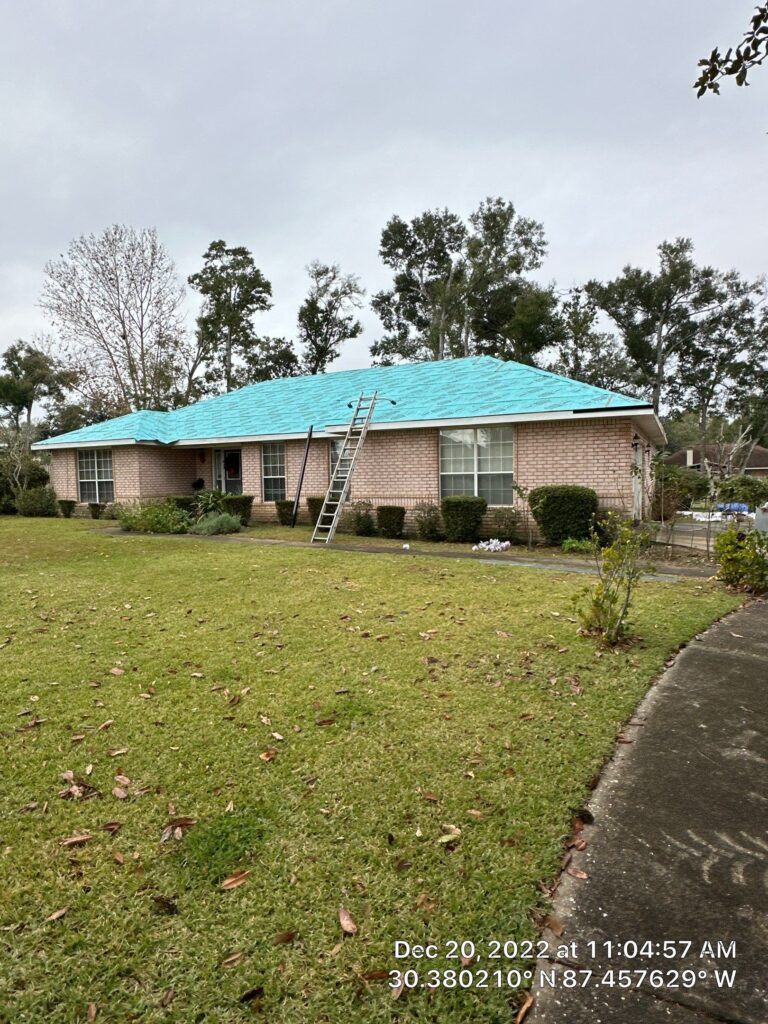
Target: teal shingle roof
456 389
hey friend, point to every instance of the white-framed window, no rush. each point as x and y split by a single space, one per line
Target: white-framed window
478 461
94 475
273 470
335 449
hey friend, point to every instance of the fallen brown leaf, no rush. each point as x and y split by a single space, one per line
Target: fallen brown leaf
167 997
554 924
576 872
92 1012
234 880
117 671
78 839
284 938
347 923
57 914
528 1002
232 959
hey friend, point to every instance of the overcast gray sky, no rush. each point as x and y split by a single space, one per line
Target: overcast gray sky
298 127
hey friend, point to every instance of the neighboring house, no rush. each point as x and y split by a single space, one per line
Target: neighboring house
720 458
462 426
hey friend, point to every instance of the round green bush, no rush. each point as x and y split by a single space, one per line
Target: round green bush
67 507
155 517
238 505
390 520
284 511
361 519
37 502
216 523
463 517
562 511
428 521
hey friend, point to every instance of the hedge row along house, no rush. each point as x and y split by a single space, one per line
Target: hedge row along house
478 426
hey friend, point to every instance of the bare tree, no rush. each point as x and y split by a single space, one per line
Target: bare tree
115 299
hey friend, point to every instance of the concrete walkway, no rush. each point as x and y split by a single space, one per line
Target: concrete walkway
678 852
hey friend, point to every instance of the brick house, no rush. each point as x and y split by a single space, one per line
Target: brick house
720 459
462 426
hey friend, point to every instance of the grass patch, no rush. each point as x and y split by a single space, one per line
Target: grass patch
390 695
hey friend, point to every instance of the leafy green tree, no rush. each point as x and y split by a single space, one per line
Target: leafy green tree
458 288
29 376
266 359
588 354
234 290
750 53
327 316
725 350
659 313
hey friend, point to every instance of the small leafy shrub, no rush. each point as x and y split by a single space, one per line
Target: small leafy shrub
751 490
604 608
506 523
14 477
96 508
67 507
429 522
463 517
216 848
674 488
314 507
238 505
562 511
742 559
207 502
580 546
215 523
155 517
390 520
186 502
198 484
284 509
361 519
37 502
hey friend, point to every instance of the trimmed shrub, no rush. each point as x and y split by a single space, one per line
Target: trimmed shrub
429 522
361 519
314 507
506 523
562 511
67 507
284 511
186 502
463 517
198 485
215 523
96 508
37 502
743 559
390 520
238 505
156 517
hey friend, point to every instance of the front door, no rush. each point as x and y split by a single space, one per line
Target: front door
227 471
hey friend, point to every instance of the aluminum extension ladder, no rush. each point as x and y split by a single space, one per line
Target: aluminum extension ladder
338 489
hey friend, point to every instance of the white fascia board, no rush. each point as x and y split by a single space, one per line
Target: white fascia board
223 442
117 442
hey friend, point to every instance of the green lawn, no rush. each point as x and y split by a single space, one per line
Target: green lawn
406 694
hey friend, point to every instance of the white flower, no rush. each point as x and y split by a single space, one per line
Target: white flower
406 547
